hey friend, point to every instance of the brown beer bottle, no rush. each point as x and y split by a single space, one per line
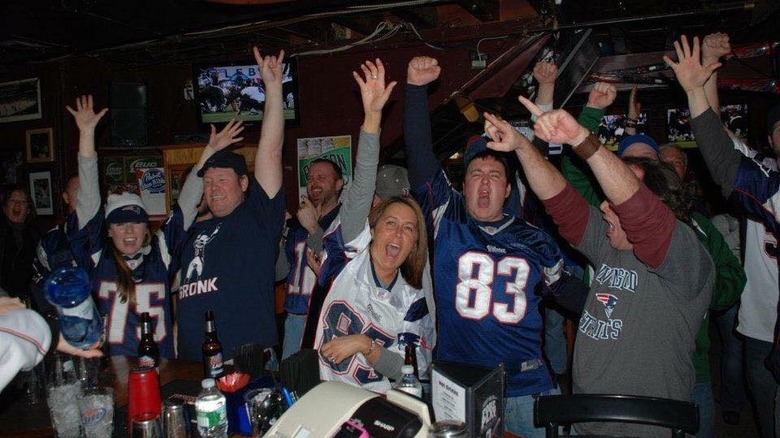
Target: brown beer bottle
212 350
148 352
411 357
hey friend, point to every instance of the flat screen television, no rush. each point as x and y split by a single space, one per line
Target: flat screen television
233 90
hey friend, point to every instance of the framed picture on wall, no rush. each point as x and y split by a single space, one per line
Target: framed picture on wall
41 192
40 145
20 100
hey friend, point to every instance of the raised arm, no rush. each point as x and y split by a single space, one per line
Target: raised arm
542 176
374 95
192 191
420 160
575 169
268 161
545 74
647 222
88 195
601 96
634 110
713 141
692 74
713 47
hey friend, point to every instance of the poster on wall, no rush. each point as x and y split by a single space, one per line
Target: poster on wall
148 171
337 149
20 100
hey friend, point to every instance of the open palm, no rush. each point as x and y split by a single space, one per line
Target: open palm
84 114
373 90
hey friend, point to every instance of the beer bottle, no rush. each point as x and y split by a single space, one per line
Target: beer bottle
411 357
212 349
148 352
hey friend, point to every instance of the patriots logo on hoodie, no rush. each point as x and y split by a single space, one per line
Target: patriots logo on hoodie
609 301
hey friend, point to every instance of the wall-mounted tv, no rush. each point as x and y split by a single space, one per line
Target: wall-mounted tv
228 90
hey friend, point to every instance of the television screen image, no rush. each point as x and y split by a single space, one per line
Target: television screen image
612 129
678 123
734 117
227 91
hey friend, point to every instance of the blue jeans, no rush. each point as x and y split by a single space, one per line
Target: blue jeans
519 415
732 380
762 384
293 334
702 396
555 341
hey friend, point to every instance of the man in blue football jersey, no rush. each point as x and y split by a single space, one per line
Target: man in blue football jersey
228 262
487 265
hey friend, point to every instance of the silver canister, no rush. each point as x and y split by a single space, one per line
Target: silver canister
174 420
146 425
448 429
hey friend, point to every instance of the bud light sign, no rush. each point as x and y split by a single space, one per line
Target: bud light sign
153 181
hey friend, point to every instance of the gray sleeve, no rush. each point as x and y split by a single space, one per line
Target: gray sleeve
389 364
717 148
360 193
189 198
88 194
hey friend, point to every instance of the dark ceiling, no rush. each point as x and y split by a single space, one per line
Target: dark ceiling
157 31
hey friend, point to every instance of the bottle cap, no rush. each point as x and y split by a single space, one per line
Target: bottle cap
407 369
207 383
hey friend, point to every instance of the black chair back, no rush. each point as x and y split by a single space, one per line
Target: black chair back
553 411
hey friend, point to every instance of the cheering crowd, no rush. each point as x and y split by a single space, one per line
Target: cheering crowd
399 257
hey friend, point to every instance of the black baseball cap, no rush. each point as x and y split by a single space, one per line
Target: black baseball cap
225 159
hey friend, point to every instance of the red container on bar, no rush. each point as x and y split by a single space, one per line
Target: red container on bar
143 393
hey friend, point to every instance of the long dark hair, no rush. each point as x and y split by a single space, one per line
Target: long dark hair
663 181
412 268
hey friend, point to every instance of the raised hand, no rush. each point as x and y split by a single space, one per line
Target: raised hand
84 114
308 215
545 72
634 106
691 74
602 95
505 137
373 90
422 70
226 136
556 126
714 46
270 67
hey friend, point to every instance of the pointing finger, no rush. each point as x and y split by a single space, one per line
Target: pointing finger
535 110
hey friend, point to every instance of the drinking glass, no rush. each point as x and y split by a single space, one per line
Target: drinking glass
64 408
258 408
97 412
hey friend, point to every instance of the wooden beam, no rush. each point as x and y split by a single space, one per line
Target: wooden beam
422 18
361 24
